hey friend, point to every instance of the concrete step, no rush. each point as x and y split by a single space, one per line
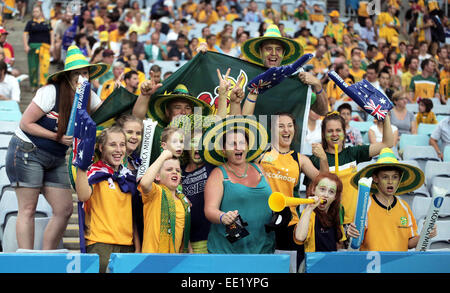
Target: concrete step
72 243
71 231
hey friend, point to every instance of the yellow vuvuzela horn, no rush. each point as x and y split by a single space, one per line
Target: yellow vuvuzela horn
278 201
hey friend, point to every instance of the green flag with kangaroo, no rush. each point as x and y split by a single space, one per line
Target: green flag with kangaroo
200 77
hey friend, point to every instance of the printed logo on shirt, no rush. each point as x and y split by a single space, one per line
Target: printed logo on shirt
280 176
404 222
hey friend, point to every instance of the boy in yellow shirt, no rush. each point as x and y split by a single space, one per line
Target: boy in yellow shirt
390 224
166 209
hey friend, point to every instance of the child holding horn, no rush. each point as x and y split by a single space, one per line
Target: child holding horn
320 226
347 158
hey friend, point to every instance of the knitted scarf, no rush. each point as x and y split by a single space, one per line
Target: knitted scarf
168 219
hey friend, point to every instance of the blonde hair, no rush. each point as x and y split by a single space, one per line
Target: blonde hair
168 131
103 137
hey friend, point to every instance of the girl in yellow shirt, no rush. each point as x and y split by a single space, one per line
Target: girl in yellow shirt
425 114
106 198
320 226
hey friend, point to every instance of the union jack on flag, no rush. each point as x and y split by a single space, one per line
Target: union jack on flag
376 110
363 93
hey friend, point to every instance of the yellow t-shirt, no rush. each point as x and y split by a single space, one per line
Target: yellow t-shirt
320 64
152 220
212 19
357 75
310 241
282 173
106 204
334 91
427 118
335 30
388 230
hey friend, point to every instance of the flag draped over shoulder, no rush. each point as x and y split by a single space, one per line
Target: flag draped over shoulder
200 77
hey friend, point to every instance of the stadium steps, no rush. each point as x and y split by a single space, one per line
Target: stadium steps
70 238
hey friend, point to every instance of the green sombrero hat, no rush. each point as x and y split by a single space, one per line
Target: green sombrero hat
76 60
292 49
212 149
412 177
157 105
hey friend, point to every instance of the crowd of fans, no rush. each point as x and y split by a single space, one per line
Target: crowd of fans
405 57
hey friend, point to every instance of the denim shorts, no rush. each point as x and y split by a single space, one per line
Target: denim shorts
32 167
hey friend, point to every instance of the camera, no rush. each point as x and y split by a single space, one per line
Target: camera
236 230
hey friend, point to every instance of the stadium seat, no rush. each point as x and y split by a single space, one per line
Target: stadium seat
447 154
441 109
439 118
290 27
10 116
9 105
8 127
4 140
420 207
9 207
4 180
362 165
413 139
442 182
9 241
442 239
2 157
445 208
434 169
169 65
414 108
426 129
363 126
422 190
421 154
317 29
196 31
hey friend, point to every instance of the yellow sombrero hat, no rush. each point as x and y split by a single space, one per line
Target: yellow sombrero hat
412 177
292 49
157 105
212 149
76 60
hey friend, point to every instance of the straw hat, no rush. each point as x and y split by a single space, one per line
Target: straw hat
212 149
251 48
411 178
157 105
76 60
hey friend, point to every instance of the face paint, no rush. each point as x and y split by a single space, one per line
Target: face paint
272 54
387 182
326 189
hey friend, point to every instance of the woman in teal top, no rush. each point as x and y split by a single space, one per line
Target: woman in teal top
238 188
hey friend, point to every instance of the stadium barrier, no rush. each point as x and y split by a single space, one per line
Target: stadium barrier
49 263
378 262
198 263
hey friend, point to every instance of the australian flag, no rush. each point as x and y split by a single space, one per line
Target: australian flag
366 96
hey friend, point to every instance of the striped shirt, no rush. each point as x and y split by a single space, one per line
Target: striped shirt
424 87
